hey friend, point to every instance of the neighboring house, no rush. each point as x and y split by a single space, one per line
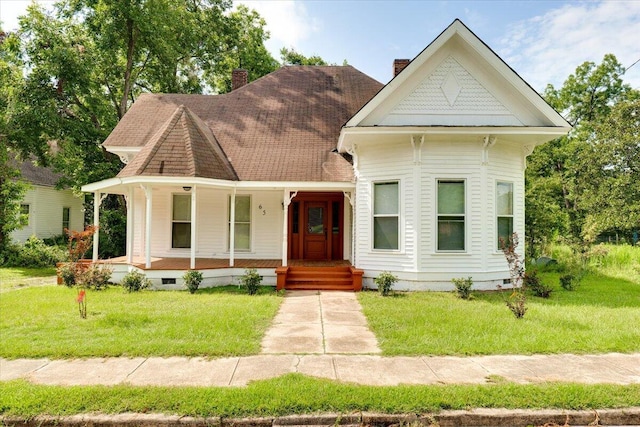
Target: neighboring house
46 211
324 166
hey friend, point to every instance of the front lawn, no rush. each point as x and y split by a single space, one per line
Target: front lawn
16 277
44 322
296 394
602 315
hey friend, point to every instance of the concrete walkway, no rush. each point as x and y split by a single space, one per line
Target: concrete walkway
317 322
325 335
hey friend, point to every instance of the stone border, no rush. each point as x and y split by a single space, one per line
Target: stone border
472 418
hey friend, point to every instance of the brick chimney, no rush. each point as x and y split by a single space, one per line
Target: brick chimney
239 78
399 64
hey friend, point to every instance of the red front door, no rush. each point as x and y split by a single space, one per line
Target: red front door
315 230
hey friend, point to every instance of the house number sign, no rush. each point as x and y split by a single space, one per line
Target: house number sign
264 211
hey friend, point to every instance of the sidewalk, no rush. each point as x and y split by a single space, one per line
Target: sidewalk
325 335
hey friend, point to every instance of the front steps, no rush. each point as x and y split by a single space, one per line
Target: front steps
338 278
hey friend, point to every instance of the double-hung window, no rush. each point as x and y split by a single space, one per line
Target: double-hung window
451 215
24 214
66 217
181 221
504 212
386 215
242 227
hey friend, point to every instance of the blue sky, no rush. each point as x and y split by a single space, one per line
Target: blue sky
544 41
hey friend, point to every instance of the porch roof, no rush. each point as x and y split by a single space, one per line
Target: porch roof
121 185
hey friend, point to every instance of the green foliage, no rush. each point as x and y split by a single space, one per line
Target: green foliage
250 281
67 272
33 253
192 280
463 287
135 281
569 282
534 283
385 282
96 276
582 184
292 57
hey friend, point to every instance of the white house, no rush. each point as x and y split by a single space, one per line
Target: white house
46 211
320 176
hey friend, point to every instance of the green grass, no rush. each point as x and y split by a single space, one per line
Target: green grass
44 322
16 277
296 394
602 315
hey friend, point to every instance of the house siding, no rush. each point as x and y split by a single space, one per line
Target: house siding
45 213
418 263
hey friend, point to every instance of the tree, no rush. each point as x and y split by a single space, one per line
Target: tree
11 188
611 160
555 177
292 57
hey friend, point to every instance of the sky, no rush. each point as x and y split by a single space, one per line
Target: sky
543 41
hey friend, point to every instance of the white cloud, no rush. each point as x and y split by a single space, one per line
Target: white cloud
546 49
288 22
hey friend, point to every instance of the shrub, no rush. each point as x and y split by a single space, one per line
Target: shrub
516 302
192 280
385 282
569 282
251 280
533 282
463 287
34 253
96 276
135 281
67 272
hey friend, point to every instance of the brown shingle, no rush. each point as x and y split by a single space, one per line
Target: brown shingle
183 146
281 127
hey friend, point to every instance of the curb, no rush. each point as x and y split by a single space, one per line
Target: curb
471 418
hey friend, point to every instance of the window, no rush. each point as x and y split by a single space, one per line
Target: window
66 214
451 215
242 241
24 215
181 221
504 211
386 215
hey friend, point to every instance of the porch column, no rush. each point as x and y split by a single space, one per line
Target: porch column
232 229
129 199
194 224
96 222
286 201
147 240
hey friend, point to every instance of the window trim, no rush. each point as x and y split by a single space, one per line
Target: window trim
398 215
497 215
464 216
174 221
236 249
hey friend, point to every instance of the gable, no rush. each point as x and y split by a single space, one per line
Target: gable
457 81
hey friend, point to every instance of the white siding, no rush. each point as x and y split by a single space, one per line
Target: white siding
379 164
212 224
45 213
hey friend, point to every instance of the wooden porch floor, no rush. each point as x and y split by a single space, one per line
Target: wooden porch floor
212 263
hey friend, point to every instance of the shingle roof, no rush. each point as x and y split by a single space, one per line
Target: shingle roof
37 175
281 127
183 146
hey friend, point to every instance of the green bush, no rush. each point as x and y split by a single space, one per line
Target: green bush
67 273
463 287
385 282
33 253
569 282
135 281
96 276
192 280
533 282
251 280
